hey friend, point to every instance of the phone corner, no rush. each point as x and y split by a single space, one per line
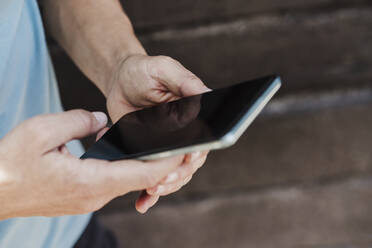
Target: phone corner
228 140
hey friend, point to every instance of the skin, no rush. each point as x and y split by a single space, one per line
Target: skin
52 182
100 39
35 165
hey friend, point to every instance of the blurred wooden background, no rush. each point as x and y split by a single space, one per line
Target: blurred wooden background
301 176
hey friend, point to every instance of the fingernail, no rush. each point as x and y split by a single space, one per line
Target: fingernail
160 189
171 177
146 208
207 89
100 117
194 156
143 210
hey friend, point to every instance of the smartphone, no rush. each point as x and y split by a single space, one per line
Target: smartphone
209 121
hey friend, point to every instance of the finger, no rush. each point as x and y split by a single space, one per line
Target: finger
191 165
54 130
101 133
181 174
145 201
175 77
121 177
163 190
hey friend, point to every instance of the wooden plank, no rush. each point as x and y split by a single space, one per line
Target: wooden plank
332 215
309 51
149 14
324 51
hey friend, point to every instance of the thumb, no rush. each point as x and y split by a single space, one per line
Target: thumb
131 175
63 127
176 78
145 201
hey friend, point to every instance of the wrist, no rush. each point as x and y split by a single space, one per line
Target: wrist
117 64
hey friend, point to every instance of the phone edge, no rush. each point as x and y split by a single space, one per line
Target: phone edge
233 135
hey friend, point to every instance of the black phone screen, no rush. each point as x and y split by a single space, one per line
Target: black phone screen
189 121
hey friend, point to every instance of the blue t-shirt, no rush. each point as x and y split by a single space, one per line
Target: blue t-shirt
27 88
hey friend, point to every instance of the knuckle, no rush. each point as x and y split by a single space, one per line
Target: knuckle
36 128
197 165
150 180
172 189
160 65
164 62
192 77
165 59
189 169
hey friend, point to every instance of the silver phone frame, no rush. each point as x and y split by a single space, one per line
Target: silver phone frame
232 136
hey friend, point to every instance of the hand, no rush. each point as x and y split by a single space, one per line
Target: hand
142 81
39 177
173 182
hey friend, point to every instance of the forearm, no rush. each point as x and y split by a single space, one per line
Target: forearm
96 34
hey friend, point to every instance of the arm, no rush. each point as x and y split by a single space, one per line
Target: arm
96 34
100 39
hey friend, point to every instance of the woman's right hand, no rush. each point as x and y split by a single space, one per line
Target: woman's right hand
39 177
